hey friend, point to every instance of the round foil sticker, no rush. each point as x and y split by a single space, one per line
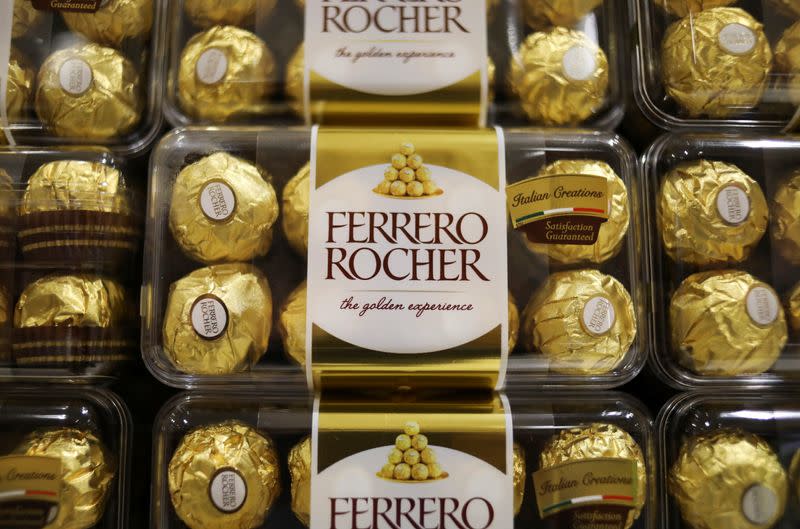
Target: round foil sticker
579 63
733 205
212 66
217 201
75 76
598 316
737 39
759 504
762 305
228 490
209 317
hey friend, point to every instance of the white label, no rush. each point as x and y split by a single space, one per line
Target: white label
737 39
733 205
393 47
75 76
212 66
762 305
228 491
598 316
579 63
217 201
382 277
209 317
759 504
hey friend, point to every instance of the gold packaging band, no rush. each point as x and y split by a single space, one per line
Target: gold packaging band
728 479
73 345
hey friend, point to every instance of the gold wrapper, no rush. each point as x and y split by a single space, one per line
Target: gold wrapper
681 8
727 323
113 22
787 61
612 233
794 307
519 477
786 219
19 86
73 185
545 13
710 213
794 473
87 472
88 92
728 479
80 300
560 76
583 321
229 452
786 7
295 72
5 307
235 302
598 441
295 210
299 463
716 63
292 324
224 71
26 17
223 209
207 13
300 470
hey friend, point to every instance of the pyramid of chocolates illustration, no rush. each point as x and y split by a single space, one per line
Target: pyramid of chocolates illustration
412 459
407 176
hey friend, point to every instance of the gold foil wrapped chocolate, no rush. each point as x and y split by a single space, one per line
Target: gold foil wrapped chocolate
786 219
787 61
786 7
79 300
299 463
218 319
87 473
729 479
25 18
544 13
793 306
560 76
223 209
716 62
292 324
681 8
207 13
75 185
224 475
710 213
726 323
794 473
19 87
583 321
224 71
295 210
113 22
611 236
598 441
88 92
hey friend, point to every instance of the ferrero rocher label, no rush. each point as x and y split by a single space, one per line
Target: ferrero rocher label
414 464
560 209
579 494
30 491
407 258
375 61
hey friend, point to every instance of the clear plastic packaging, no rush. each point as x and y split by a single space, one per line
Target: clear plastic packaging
262 342
717 64
71 224
83 77
729 459
536 422
245 66
722 216
78 441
